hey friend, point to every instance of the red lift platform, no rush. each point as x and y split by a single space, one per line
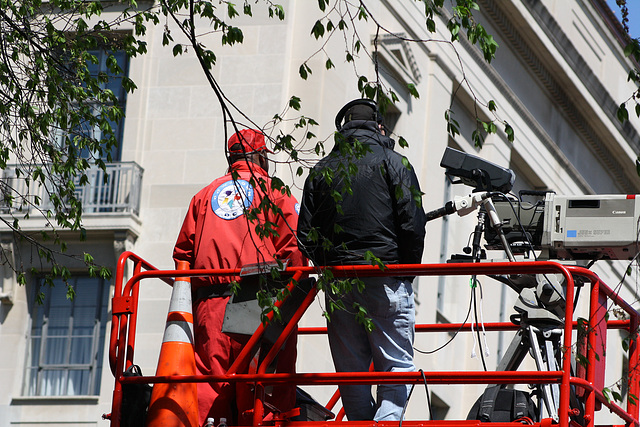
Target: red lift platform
590 382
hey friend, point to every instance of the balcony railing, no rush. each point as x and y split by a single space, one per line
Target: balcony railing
119 193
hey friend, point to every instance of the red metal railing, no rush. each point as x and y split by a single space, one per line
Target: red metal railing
123 331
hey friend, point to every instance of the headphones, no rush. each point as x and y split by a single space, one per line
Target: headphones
364 101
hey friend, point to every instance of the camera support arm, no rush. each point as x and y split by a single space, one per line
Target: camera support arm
466 204
496 223
462 205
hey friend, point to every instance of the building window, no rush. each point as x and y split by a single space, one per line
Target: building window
66 340
114 84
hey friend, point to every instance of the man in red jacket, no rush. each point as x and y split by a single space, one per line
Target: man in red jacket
217 233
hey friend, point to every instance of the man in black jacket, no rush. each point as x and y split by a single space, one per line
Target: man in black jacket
364 200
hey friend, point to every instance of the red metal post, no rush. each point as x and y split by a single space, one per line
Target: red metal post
591 352
123 305
133 319
565 386
634 368
258 413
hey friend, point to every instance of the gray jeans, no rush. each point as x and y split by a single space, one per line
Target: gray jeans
390 306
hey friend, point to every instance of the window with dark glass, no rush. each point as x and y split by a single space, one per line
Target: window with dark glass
66 339
114 84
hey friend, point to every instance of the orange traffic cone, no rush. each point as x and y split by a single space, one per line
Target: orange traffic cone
176 404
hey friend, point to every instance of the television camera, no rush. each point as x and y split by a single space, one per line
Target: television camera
581 227
584 227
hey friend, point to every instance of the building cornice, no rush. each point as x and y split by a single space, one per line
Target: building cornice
624 175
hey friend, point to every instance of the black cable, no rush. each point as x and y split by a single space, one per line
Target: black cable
577 295
524 234
426 388
406 403
452 337
519 222
475 312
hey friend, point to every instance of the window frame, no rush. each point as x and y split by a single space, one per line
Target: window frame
38 365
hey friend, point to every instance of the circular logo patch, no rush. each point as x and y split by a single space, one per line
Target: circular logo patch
231 198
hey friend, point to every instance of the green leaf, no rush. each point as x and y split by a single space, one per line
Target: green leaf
294 102
454 28
452 125
629 49
616 396
304 71
318 30
232 35
71 293
509 131
398 192
622 113
231 10
369 256
405 163
477 138
277 10
413 91
362 81
328 65
431 25
362 13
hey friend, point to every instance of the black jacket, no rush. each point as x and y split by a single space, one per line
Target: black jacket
379 214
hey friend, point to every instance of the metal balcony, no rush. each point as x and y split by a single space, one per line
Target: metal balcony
118 193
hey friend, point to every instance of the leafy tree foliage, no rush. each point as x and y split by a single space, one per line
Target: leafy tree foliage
55 115
52 104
